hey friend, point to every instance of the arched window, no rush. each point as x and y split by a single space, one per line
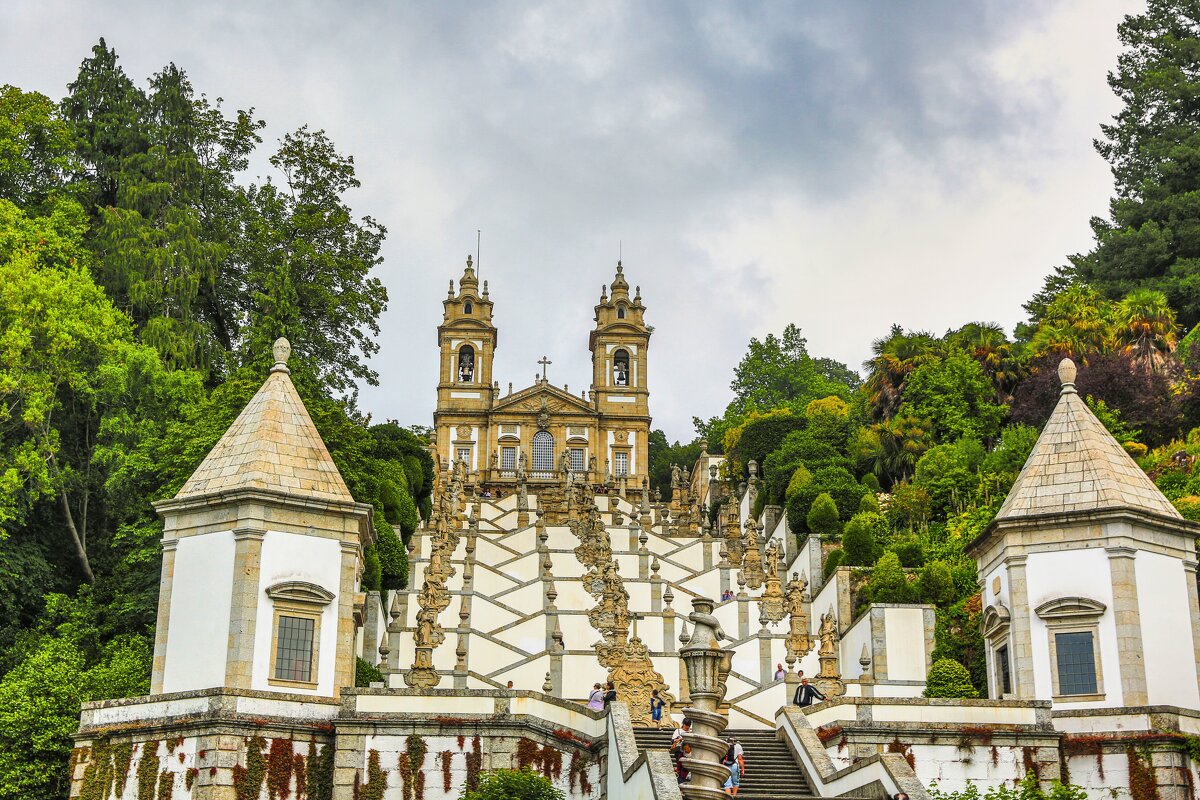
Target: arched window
543 454
621 368
466 364
620 312
468 307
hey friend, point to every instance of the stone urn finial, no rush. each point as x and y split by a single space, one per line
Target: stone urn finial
707 667
1066 375
282 350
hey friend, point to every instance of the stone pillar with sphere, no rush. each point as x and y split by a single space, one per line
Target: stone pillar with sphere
707 668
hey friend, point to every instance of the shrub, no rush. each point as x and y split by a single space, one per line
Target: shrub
871 482
869 504
859 539
833 561
838 483
823 518
392 555
372 572
948 678
937 583
798 480
888 583
910 551
511 784
366 673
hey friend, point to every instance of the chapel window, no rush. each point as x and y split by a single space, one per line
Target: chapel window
296 632
466 364
622 464
508 459
294 649
543 454
1076 658
468 307
621 368
578 459
1003 670
620 312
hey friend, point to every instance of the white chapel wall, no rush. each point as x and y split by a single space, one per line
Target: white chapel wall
201 594
1170 657
296 557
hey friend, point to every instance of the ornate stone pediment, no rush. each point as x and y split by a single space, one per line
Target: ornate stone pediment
300 592
554 401
1062 607
995 619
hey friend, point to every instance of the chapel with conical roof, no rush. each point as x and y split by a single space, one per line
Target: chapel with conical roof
1089 576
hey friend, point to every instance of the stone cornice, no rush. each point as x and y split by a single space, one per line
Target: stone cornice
273 499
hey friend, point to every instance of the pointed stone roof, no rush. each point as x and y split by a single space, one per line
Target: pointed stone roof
1077 466
272 446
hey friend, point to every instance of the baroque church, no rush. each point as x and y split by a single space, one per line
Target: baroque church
546 567
535 434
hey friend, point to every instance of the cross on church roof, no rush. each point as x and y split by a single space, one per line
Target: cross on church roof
545 362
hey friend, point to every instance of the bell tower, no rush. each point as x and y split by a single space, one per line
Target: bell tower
620 344
467 341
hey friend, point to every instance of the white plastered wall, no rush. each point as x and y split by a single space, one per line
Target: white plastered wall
1072 573
295 557
201 593
1163 607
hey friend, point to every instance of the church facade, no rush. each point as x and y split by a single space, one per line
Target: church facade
542 431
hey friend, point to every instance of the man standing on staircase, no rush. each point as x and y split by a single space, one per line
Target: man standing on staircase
806 693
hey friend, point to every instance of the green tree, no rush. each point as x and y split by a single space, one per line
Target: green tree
838 483
512 784
896 356
956 394
1152 147
948 678
834 560
36 149
778 371
860 539
937 583
888 583
65 665
948 474
822 517
663 456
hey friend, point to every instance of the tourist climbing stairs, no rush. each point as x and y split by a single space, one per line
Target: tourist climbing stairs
771 771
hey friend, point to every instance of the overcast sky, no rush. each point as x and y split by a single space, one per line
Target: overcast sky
840 165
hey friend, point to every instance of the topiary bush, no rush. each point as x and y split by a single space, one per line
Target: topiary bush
948 678
910 551
823 518
833 561
392 555
860 538
838 483
936 582
869 504
888 583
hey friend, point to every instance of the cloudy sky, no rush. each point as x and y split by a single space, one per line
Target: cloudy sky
840 165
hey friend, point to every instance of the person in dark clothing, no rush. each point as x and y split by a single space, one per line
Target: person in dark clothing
806 694
610 693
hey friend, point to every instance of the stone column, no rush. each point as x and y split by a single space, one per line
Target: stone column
743 601
343 674
766 670
1129 626
243 610
707 666
1189 575
164 614
706 543
1022 638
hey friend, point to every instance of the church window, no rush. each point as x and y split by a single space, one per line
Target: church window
464 455
621 368
1076 662
468 307
294 649
466 364
508 458
1003 670
620 312
1072 625
296 636
622 464
578 459
543 454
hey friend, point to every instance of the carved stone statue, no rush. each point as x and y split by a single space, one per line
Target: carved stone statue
522 466
564 462
676 476
798 642
495 461
829 680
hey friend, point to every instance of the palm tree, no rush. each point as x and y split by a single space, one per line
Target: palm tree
1078 323
896 355
987 343
1147 329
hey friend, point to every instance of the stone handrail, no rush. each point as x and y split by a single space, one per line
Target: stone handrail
637 776
875 776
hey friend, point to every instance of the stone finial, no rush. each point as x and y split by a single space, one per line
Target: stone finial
1066 375
547 686
282 350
